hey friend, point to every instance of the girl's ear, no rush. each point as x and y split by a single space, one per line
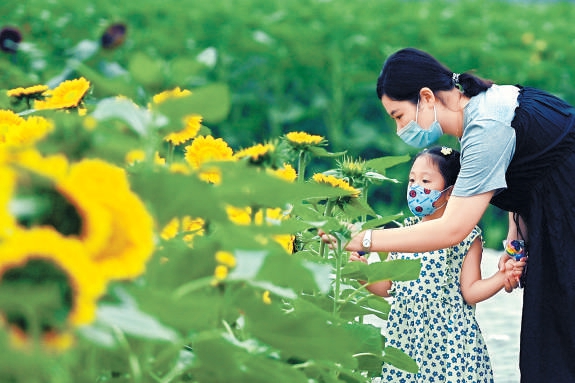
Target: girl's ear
448 192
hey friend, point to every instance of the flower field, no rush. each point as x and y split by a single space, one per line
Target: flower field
136 246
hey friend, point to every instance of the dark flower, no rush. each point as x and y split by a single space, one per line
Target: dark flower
10 37
114 36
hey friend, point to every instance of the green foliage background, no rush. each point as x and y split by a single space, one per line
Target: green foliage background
293 65
289 66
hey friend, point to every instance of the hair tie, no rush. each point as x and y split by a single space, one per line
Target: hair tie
446 151
455 78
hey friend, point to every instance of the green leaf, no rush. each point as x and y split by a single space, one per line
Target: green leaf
381 164
318 151
399 359
244 185
211 101
146 70
172 195
395 270
221 358
374 223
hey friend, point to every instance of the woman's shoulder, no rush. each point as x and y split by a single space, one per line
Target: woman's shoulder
497 103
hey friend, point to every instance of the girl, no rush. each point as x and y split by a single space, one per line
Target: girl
433 318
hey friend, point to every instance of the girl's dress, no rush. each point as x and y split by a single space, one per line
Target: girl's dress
430 321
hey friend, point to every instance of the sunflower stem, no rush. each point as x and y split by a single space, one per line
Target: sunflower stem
327 213
301 165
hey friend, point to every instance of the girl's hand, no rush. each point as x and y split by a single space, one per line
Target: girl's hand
354 256
512 270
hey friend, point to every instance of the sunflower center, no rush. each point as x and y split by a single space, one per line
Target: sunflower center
47 207
36 297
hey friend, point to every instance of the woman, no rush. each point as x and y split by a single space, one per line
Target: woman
517 153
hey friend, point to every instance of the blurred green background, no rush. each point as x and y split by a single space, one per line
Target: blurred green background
297 65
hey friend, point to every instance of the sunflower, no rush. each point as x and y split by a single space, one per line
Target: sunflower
9 122
266 297
55 274
193 123
134 156
336 183
7 220
255 153
53 166
286 241
303 140
167 94
33 130
195 226
205 149
17 132
179 168
98 185
31 91
69 94
226 258
287 172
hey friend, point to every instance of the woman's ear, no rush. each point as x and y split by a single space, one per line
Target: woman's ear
426 96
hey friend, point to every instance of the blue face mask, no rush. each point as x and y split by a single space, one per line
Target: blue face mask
420 200
414 135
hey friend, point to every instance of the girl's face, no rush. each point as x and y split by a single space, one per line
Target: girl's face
425 173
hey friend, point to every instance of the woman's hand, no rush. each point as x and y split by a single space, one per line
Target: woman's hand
332 241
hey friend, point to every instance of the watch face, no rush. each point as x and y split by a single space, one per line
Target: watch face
366 242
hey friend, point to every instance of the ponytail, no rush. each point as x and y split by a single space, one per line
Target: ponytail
408 70
472 85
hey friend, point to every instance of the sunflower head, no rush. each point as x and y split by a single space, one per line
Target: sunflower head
168 94
68 95
303 140
336 182
286 172
192 125
47 285
35 92
10 37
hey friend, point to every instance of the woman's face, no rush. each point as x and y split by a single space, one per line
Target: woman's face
402 112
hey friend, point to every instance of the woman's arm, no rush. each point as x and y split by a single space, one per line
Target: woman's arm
460 217
475 289
514 232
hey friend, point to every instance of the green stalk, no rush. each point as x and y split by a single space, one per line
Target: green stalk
336 291
327 213
301 165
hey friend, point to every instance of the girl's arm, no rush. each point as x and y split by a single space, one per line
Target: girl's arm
475 289
380 288
460 217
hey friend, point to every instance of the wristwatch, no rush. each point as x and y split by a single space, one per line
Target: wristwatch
366 242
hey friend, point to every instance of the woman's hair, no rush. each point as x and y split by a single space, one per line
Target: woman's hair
408 70
447 161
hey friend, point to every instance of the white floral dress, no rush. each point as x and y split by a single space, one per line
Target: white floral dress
430 321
